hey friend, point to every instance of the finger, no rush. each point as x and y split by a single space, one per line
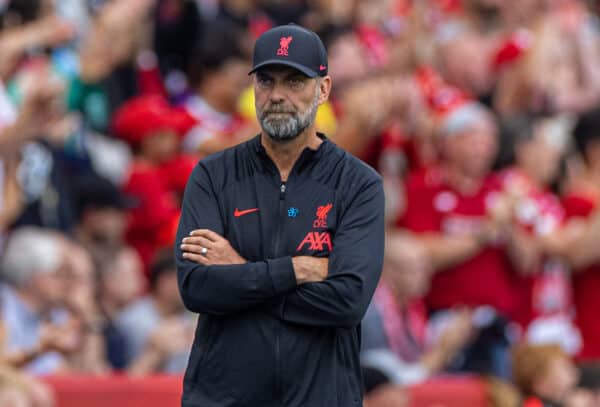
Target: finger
206 233
215 237
196 258
193 248
198 240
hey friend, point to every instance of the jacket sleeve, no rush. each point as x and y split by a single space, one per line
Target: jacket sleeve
222 289
354 267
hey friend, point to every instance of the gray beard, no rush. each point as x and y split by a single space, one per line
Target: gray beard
286 129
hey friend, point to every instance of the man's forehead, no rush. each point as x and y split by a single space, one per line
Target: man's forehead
280 70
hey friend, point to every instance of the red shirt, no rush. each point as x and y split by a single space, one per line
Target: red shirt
484 279
586 284
153 221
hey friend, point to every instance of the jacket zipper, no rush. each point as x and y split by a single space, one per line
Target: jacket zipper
280 217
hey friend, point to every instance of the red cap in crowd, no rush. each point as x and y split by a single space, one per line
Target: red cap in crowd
146 115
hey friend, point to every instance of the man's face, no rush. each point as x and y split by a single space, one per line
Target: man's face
235 74
408 270
541 156
168 290
347 60
123 282
50 288
105 225
286 101
474 149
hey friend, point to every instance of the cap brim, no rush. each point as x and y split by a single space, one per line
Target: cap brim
306 71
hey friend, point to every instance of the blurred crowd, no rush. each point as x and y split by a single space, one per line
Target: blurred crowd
482 116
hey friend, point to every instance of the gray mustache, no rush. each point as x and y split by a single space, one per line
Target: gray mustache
275 109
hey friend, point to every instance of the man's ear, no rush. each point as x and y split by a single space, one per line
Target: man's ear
325 89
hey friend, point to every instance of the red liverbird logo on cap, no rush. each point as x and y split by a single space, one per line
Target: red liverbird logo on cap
284 44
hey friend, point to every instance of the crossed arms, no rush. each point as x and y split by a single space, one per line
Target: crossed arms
332 292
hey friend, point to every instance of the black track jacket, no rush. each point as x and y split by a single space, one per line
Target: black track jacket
261 340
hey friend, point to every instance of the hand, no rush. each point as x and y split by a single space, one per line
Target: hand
457 333
172 336
64 339
502 209
218 249
310 269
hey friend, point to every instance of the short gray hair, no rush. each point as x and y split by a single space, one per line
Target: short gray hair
465 116
30 250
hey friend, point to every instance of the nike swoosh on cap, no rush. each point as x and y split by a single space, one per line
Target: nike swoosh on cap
237 213
322 67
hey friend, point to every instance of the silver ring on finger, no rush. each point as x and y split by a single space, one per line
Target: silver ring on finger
203 251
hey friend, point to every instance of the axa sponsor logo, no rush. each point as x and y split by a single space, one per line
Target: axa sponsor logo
316 241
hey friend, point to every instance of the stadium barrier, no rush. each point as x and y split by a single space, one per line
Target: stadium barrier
165 391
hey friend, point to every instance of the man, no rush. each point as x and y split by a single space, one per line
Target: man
32 295
102 214
215 105
120 282
281 248
157 329
153 129
396 345
449 209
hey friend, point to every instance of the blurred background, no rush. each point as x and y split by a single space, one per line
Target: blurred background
482 116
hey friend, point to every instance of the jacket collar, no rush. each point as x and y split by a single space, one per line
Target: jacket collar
307 156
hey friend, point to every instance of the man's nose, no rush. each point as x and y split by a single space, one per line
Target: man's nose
277 95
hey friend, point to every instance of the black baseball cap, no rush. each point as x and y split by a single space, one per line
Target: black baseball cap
291 45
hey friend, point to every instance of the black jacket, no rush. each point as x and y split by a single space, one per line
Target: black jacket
262 340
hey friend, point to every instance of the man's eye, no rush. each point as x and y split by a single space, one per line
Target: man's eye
265 82
295 83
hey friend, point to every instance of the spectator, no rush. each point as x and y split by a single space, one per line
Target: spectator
39 334
218 75
537 220
581 203
153 129
554 70
39 116
457 44
158 330
395 346
177 25
447 209
102 214
121 281
106 77
80 301
547 377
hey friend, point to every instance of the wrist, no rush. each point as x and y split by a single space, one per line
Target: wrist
299 270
